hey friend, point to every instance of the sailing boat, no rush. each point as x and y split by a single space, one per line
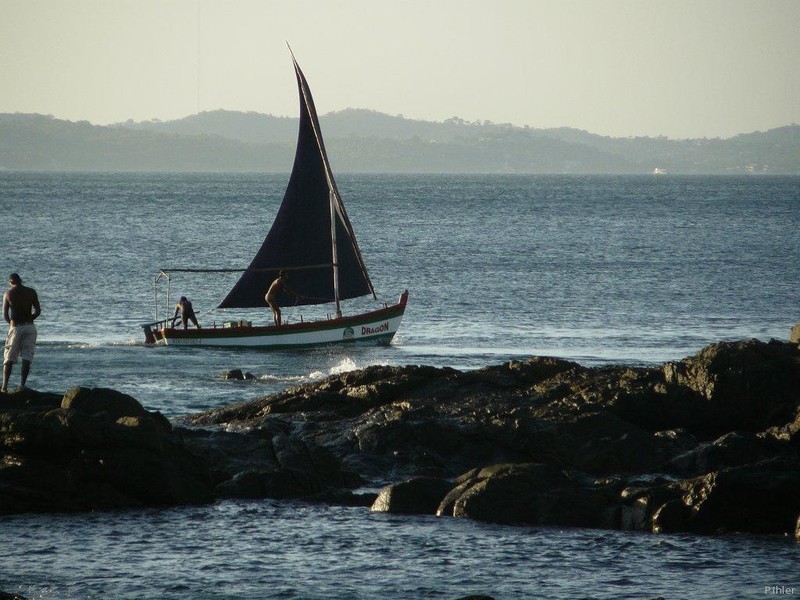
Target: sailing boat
311 239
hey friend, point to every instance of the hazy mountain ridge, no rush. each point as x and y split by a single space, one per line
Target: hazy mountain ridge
369 141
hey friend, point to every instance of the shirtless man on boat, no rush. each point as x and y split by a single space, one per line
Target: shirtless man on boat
278 286
184 307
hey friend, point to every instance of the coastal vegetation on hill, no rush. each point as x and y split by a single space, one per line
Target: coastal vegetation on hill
368 141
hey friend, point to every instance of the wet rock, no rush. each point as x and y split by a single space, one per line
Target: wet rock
267 462
533 494
418 496
102 401
732 449
760 498
747 386
673 517
763 497
280 485
340 497
97 449
536 441
595 434
596 442
641 503
540 368
237 375
676 441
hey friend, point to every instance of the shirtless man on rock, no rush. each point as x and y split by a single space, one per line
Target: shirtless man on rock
20 309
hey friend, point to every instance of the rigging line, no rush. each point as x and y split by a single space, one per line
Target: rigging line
188 270
300 268
254 270
315 298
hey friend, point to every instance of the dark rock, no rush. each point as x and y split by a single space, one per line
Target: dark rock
672 517
233 451
596 442
98 449
746 386
540 368
418 496
640 503
758 498
237 375
655 405
732 449
266 462
279 485
594 433
340 497
533 494
246 484
344 395
669 448
676 441
29 399
95 401
8 596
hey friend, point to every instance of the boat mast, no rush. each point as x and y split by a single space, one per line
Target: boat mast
334 251
336 206
332 192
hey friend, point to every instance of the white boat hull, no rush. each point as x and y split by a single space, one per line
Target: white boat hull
377 326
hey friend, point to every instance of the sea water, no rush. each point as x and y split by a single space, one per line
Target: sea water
599 270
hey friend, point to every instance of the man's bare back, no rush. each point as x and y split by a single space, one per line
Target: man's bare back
276 288
20 305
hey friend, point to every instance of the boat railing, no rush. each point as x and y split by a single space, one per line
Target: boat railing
164 275
150 329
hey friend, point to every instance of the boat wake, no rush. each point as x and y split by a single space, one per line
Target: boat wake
88 344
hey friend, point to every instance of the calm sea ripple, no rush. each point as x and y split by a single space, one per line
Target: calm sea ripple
261 550
595 269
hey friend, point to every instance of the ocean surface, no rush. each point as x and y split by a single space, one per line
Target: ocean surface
597 269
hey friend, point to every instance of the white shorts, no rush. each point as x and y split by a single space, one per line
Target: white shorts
20 343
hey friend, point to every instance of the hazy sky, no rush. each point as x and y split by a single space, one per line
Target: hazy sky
680 68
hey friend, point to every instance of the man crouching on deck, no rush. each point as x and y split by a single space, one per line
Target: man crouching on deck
20 309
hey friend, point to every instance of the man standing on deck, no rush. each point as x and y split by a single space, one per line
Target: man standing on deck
278 286
20 309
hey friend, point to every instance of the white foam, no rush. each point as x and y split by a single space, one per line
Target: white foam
345 365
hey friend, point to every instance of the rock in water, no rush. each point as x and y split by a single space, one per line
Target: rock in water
418 496
237 375
710 443
94 449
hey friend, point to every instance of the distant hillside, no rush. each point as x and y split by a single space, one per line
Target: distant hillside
368 141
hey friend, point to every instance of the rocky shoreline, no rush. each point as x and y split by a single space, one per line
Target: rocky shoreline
709 444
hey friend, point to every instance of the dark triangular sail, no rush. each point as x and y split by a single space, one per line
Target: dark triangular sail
300 239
